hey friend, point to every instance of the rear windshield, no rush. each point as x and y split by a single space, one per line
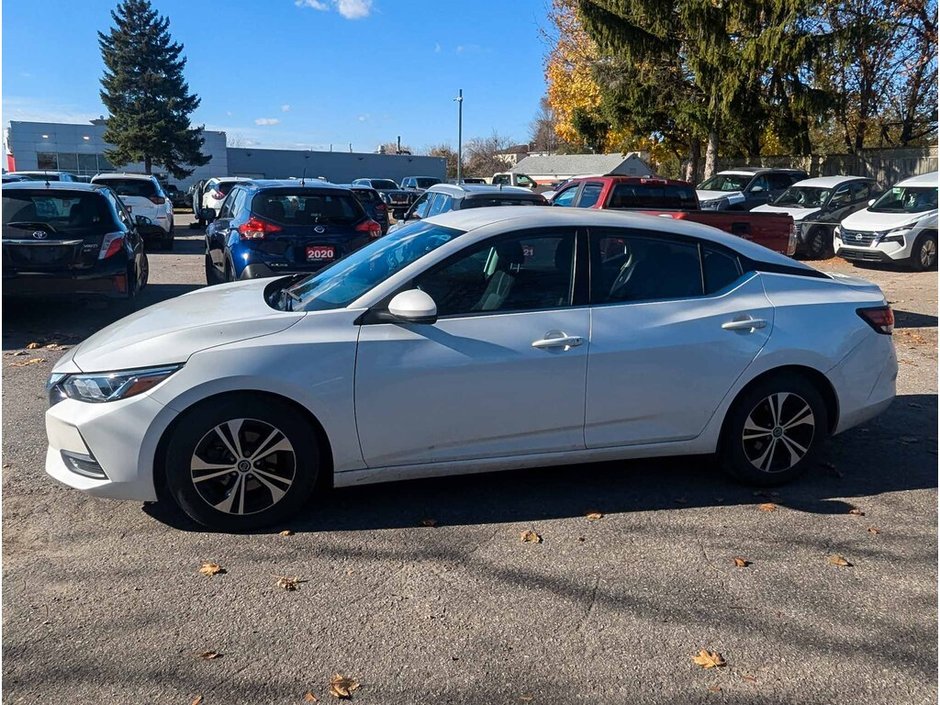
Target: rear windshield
654 196
307 207
426 182
55 212
144 188
384 184
496 201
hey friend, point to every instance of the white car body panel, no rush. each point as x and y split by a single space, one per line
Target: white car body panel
732 196
798 214
159 213
471 394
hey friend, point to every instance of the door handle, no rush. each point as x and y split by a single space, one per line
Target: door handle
747 324
558 339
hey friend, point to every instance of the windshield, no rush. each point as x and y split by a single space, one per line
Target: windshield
906 199
804 197
130 187
349 278
725 182
426 181
384 184
55 212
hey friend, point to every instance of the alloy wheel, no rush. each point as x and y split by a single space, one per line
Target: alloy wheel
778 432
243 466
928 253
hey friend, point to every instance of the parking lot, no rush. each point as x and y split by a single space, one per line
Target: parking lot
425 592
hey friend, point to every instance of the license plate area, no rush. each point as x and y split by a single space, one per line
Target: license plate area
320 253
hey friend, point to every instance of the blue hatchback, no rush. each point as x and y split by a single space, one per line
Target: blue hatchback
269 228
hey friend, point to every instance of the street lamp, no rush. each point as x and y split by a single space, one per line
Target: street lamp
459 100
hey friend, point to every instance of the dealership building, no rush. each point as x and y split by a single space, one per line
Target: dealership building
80 149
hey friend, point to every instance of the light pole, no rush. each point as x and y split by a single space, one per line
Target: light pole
459 100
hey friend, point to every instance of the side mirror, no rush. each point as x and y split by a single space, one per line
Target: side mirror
757 189
142 221
871 201
208 214
413 306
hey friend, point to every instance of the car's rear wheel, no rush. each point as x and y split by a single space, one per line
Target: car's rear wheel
773 430
241 462
212 275
924 254
229 272
819 243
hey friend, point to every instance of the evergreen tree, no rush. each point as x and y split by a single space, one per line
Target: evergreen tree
147 98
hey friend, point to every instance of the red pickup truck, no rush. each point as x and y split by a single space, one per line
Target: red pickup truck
676 199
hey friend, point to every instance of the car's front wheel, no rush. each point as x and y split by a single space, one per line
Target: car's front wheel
241 461
819 243
773 430
924 255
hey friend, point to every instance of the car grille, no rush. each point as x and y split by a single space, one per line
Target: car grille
857 238
873 256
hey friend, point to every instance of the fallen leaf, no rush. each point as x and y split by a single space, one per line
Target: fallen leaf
209 655
874 530
527 698
33 346
741 562
714 689
289 583
211 569
836 559
6 465
708 659
30 361
197 700
287 532
767 507
342 686
594 516
19 352
856 512
429 522
310 697
529 536
56 346
749 679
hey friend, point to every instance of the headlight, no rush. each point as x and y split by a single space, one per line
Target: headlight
106 386
896 235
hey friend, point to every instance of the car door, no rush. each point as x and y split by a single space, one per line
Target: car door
501 372
674 323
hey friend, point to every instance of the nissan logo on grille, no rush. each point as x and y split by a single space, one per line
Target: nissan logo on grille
40 234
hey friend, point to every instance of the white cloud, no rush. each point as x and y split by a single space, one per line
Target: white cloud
40 110
350 9
362 118
267 121
437 47
285 108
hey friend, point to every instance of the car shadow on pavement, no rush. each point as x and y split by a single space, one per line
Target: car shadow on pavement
897 451
910 319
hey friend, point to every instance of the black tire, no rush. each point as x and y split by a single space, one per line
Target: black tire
247 496
212 275
229 272
765 459
145 276
818 243
924 254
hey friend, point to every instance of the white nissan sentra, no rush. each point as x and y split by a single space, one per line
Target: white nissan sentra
475 340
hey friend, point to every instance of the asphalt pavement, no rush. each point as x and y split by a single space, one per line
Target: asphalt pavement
423 592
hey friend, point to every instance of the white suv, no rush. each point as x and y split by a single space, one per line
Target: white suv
901 226
143 195
216 189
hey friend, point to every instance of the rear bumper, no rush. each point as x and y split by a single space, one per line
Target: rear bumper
111 283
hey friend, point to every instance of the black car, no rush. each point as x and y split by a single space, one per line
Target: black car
397 199
419 183
267 228
442 198
73 238
374 204
179 198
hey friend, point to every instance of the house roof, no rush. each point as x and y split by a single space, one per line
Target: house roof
568 164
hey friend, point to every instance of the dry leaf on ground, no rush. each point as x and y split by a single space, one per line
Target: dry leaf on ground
708 659
208 568
767 507
342 686
856 512
287 532
209 655
197 700
19 352
429 522
714 689
289 583
749 679
33 346
30 361
836 559
310 697
741 562
874 530
529 536
594 516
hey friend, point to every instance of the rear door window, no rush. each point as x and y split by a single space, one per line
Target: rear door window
307 207
632 266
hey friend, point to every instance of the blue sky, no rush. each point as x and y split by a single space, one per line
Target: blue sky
302 73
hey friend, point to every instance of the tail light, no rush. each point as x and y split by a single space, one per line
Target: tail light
256 229
371 227
791 242
158 200
111 245
881 318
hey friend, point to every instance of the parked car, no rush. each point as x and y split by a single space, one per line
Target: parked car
668 338
419 183
70 238
39 175
899 227
442 198
396 198
267 228
472 180
746 187
675 199
817 206
177 198
509 178
143 195
216 189
372 202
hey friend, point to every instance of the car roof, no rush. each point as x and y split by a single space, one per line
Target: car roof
523 218
312 184
831 181
928 179
420 177
122 175
752 170
34 172
52 186
465 190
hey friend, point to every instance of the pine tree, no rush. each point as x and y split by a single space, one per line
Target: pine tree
147 98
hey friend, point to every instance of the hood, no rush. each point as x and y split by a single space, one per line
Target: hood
172 330
732 196
798 214
868 221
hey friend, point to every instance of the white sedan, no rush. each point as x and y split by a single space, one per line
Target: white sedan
476 340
